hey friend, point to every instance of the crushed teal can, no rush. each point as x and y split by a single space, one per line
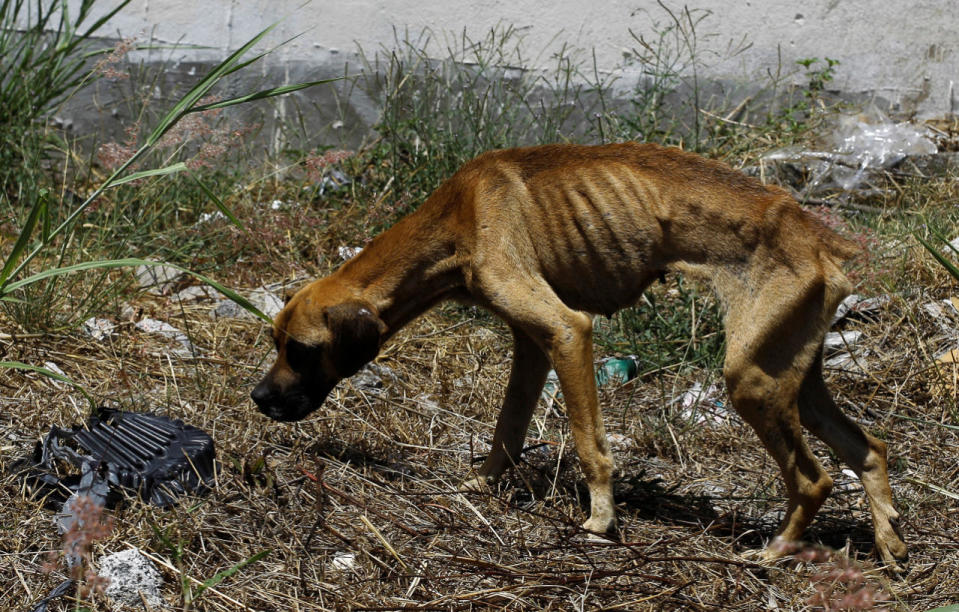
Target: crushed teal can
611 370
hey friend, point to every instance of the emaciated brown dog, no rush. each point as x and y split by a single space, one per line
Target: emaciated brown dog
546 236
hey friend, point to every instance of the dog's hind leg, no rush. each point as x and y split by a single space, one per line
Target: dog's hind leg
864 453
771 342
526 379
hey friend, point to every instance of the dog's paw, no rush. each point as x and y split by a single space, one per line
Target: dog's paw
475 484
600 525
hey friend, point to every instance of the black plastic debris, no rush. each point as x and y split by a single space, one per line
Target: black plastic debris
156 457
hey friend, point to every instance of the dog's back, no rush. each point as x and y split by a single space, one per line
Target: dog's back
602 222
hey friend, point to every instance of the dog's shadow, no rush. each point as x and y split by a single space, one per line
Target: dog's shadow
649 498
653 499
640 497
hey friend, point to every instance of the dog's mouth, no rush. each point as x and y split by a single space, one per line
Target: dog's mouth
288 406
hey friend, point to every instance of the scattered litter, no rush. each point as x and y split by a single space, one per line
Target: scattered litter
700 406
162 328
156 457
619 442
210 216
56 370
850 482
158 280
61 590
98 329
857 307
944 313
844 340
266 301
840 361
612 370
347 252
857 145
343 560
372 377
132 579
276 204
333 180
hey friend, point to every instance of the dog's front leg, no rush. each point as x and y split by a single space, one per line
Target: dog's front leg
526 379
572 356
528 303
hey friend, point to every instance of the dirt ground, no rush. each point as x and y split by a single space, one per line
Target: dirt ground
357 506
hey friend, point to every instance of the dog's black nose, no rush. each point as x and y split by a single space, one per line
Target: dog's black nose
261 394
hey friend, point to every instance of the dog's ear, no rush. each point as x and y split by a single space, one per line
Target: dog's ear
288 294
356 332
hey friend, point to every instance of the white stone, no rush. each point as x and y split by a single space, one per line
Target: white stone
157 280
132 579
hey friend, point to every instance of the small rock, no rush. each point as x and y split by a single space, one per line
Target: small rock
98 329
162 328
266 301
132 579
158 280
195 293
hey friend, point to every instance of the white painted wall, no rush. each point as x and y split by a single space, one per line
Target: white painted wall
904 51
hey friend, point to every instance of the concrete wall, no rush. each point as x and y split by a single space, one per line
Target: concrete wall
902 53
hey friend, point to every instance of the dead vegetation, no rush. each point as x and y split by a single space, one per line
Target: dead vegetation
357 508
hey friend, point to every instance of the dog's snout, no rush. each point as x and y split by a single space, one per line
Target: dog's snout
261 394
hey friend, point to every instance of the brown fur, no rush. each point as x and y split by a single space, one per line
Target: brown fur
544 236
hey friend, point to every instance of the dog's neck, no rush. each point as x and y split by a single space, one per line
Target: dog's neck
406 270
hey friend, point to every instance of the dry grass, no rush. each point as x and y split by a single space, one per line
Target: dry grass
373 473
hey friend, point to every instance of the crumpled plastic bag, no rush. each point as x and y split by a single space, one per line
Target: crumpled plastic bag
856 145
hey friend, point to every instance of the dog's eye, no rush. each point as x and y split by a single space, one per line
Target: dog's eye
299 355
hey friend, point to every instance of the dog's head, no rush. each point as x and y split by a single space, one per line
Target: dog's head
321 338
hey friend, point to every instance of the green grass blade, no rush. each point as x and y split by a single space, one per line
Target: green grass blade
202 88
38 210
945 241
266 93
948 265
130 262
219 203
19 365
177 167
221 576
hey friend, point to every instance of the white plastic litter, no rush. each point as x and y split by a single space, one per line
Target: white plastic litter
98 329
701 406
343 560
348 252
836 341
857 145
